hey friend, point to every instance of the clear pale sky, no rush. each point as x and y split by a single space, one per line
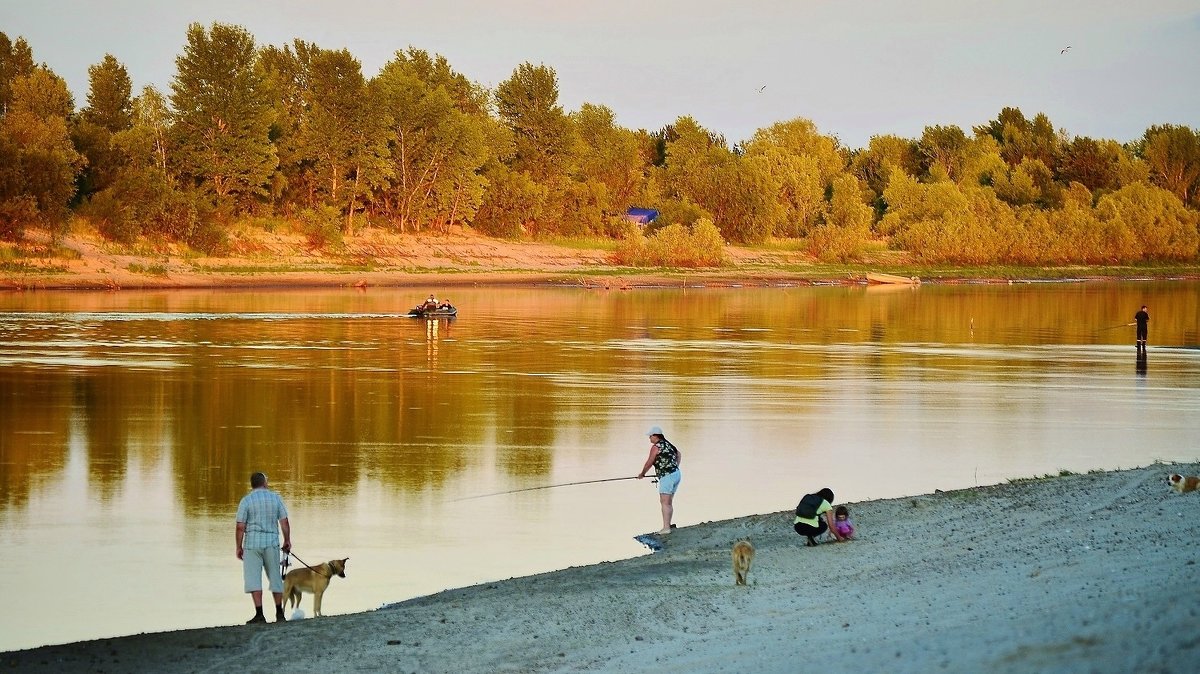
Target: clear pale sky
857 68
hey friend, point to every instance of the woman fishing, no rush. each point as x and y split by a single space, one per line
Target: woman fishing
665 458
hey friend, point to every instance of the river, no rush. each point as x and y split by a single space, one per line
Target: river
130 422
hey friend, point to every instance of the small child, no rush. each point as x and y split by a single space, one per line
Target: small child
842 524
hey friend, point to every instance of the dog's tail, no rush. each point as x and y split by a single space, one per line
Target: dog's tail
292 598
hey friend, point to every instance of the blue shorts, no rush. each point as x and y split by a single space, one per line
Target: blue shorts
667 484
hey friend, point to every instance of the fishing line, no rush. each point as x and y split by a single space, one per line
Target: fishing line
548 486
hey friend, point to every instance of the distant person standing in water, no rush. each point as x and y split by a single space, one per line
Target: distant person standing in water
1142 320
664 457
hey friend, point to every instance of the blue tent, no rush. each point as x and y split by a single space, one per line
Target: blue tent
642 216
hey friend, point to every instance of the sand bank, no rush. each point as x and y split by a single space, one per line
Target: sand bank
1080 573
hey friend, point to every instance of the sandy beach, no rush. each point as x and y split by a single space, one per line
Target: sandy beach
371 258
1074 573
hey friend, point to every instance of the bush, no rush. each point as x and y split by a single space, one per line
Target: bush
512 199
114 220
673 246
15 214
847 227
322 226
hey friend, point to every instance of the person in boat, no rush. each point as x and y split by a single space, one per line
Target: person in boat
430 304
445 305
665 458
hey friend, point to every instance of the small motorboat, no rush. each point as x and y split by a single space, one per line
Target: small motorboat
440 312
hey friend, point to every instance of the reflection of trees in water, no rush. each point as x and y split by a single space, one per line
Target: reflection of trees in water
525 405
34 426
321 404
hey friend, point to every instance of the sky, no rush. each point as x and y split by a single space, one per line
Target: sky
856 68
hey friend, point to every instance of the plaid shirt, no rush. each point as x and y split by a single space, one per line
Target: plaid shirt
261 511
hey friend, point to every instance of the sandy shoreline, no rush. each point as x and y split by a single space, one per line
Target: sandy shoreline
1093 572
381 259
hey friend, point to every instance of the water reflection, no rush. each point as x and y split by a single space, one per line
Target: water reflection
133 419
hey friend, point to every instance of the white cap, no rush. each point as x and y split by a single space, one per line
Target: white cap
654 430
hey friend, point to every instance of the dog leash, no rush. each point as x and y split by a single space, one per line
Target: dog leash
285 563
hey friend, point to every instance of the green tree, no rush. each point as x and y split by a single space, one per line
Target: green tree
943 152
847 228
874 164
1091 163
527 103
438 142
16 60
109 103
1020 138
804 163
37 174
1080 235
1162 228
943 221
1173 155
1028 183
341 133
513 202
286 73
222 116
609 156
143 198
108 111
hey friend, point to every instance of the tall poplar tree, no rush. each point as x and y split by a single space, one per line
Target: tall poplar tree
222 116
527 103
16 60
287 71
108 111
438 142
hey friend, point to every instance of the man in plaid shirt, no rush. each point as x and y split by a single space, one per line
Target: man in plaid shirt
260 516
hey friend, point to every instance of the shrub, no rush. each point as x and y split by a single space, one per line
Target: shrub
113 219
674 246
15 214
847 227
322 226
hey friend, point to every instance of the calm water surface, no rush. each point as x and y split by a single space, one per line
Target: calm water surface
130 422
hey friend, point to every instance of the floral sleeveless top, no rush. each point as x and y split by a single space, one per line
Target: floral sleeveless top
667 461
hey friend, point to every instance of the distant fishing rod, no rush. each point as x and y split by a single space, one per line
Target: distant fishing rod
548 486
1114 327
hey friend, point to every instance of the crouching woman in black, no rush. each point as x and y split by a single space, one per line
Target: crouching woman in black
814 516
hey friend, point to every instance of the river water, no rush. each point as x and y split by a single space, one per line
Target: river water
130 422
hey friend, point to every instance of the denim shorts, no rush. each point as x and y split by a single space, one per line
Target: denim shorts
667 484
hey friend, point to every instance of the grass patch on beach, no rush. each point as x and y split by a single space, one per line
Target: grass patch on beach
582 243
244 269
1048 476
18 259
984 272
148 269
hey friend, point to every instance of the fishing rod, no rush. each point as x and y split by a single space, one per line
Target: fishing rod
1114 327
548 486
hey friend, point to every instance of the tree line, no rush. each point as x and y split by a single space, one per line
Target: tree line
252 133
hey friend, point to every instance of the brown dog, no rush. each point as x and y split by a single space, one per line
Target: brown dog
743 557
1183 484
314 580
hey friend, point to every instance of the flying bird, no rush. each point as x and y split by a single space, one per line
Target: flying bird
762 88
1064 51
